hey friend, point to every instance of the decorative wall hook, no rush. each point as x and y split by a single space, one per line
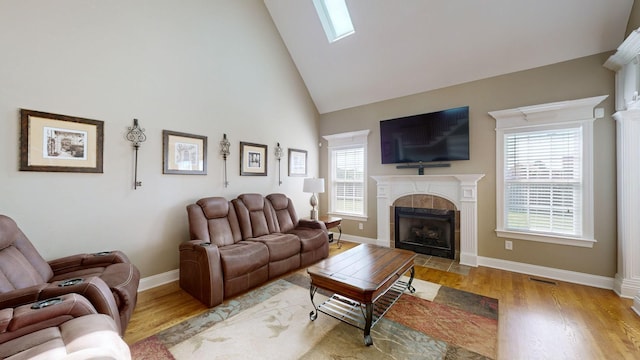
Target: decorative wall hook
224 151
136 135
279 157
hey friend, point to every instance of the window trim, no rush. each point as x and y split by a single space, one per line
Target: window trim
340 141
565 114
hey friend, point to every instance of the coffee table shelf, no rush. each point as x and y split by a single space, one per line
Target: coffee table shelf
353 312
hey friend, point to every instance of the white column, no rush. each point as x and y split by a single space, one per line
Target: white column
384 213
625 62
469 222
627 282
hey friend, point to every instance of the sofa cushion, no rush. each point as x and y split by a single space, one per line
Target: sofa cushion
255 215
242 258
281 246
214 220
310 239
21 265
214 207
286 217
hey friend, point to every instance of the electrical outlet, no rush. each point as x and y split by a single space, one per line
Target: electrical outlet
360 226
508 244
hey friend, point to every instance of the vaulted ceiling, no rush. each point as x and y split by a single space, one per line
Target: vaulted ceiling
404 47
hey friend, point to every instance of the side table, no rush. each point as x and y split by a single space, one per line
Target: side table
333 222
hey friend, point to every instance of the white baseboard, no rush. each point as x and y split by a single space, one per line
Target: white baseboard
636 304
547 272
363 240
158 279
626 288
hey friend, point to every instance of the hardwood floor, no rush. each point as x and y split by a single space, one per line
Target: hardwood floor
537 320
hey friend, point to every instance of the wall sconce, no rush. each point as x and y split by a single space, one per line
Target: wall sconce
313 186
136 135
224 151
279 157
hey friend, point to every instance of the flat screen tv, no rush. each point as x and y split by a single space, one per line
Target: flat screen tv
432 137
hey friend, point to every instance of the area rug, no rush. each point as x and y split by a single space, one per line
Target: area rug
272 322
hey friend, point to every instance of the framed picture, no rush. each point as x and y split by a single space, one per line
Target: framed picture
253 159
297 162
60 143
184 153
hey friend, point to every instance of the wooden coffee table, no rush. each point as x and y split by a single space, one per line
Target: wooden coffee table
365 281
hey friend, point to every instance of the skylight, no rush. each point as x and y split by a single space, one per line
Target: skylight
335 18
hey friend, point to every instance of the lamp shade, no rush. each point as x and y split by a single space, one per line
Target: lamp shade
313 185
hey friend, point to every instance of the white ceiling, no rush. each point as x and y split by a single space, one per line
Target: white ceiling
404 47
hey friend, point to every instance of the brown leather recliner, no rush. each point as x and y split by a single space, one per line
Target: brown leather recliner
313 242
65 327
217 263
258 223
239 244
108 279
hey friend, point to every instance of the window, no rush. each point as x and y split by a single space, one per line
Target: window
347 174
543 181
544 189
335 18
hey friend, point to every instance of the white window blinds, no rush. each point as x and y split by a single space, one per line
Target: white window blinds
543 181
348 181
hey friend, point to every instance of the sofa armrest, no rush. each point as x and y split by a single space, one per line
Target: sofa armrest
93 288
313 224
201 271
25 319
79 261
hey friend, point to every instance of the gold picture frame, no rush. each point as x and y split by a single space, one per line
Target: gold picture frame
297 162
60 143
253 159
184 154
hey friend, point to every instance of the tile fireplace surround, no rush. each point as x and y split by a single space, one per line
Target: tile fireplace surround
460 189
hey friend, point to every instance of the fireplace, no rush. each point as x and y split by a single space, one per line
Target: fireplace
459 189
426 231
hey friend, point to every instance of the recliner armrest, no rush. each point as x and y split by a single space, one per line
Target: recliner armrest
313 224
80 261
17 297
92 288
25 319
201 271
62 307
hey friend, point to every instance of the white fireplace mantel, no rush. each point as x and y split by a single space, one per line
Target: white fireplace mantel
460 189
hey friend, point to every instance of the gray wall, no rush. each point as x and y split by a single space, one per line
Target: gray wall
201 67
570 80
634 18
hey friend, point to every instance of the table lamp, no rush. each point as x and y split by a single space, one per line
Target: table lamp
313 186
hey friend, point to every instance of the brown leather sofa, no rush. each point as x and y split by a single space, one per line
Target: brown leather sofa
107 279
65 327
239 244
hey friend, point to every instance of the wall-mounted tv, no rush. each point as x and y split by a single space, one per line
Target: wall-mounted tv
432 137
